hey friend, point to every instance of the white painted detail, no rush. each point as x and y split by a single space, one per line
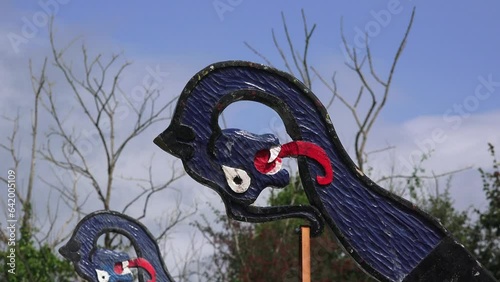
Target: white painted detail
277 167
256 86
102 276
237 179
125 268
273 153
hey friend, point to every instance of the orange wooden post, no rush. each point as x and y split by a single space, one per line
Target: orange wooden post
305 253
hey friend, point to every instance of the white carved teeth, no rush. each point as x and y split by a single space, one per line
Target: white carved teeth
277 167
273 153
126 270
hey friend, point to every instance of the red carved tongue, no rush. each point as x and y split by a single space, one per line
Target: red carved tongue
294 149
144 264
118 268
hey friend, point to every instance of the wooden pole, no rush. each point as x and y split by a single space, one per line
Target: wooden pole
305 253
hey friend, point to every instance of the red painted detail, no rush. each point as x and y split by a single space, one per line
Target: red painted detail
144 264
294 149
118 268
261 164
313 151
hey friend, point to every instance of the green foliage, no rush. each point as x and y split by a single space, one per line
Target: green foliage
481 237
244 252
415 185
293 194
225 263
328 261
440 205
487 227
34 263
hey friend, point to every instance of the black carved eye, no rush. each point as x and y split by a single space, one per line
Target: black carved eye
237 179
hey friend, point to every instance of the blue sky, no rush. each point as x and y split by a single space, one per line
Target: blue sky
455 39
452 50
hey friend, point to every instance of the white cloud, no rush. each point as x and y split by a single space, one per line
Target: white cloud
17 96
463 146
452 149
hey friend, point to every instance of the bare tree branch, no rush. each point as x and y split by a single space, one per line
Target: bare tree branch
376 101
95 86
433 176
298 61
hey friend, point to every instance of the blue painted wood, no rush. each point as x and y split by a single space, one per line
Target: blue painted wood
96 264
389 237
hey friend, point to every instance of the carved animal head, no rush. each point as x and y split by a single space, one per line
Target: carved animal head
115 266
103 265
235 163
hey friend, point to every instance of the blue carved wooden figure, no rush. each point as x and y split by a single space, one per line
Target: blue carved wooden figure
389 237
101 265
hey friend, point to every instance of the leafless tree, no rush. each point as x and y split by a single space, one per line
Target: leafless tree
360 61
97 98
365 106
374 87
24 195
96 89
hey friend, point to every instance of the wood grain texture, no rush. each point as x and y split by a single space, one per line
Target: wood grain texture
387 236
89 259
305 253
